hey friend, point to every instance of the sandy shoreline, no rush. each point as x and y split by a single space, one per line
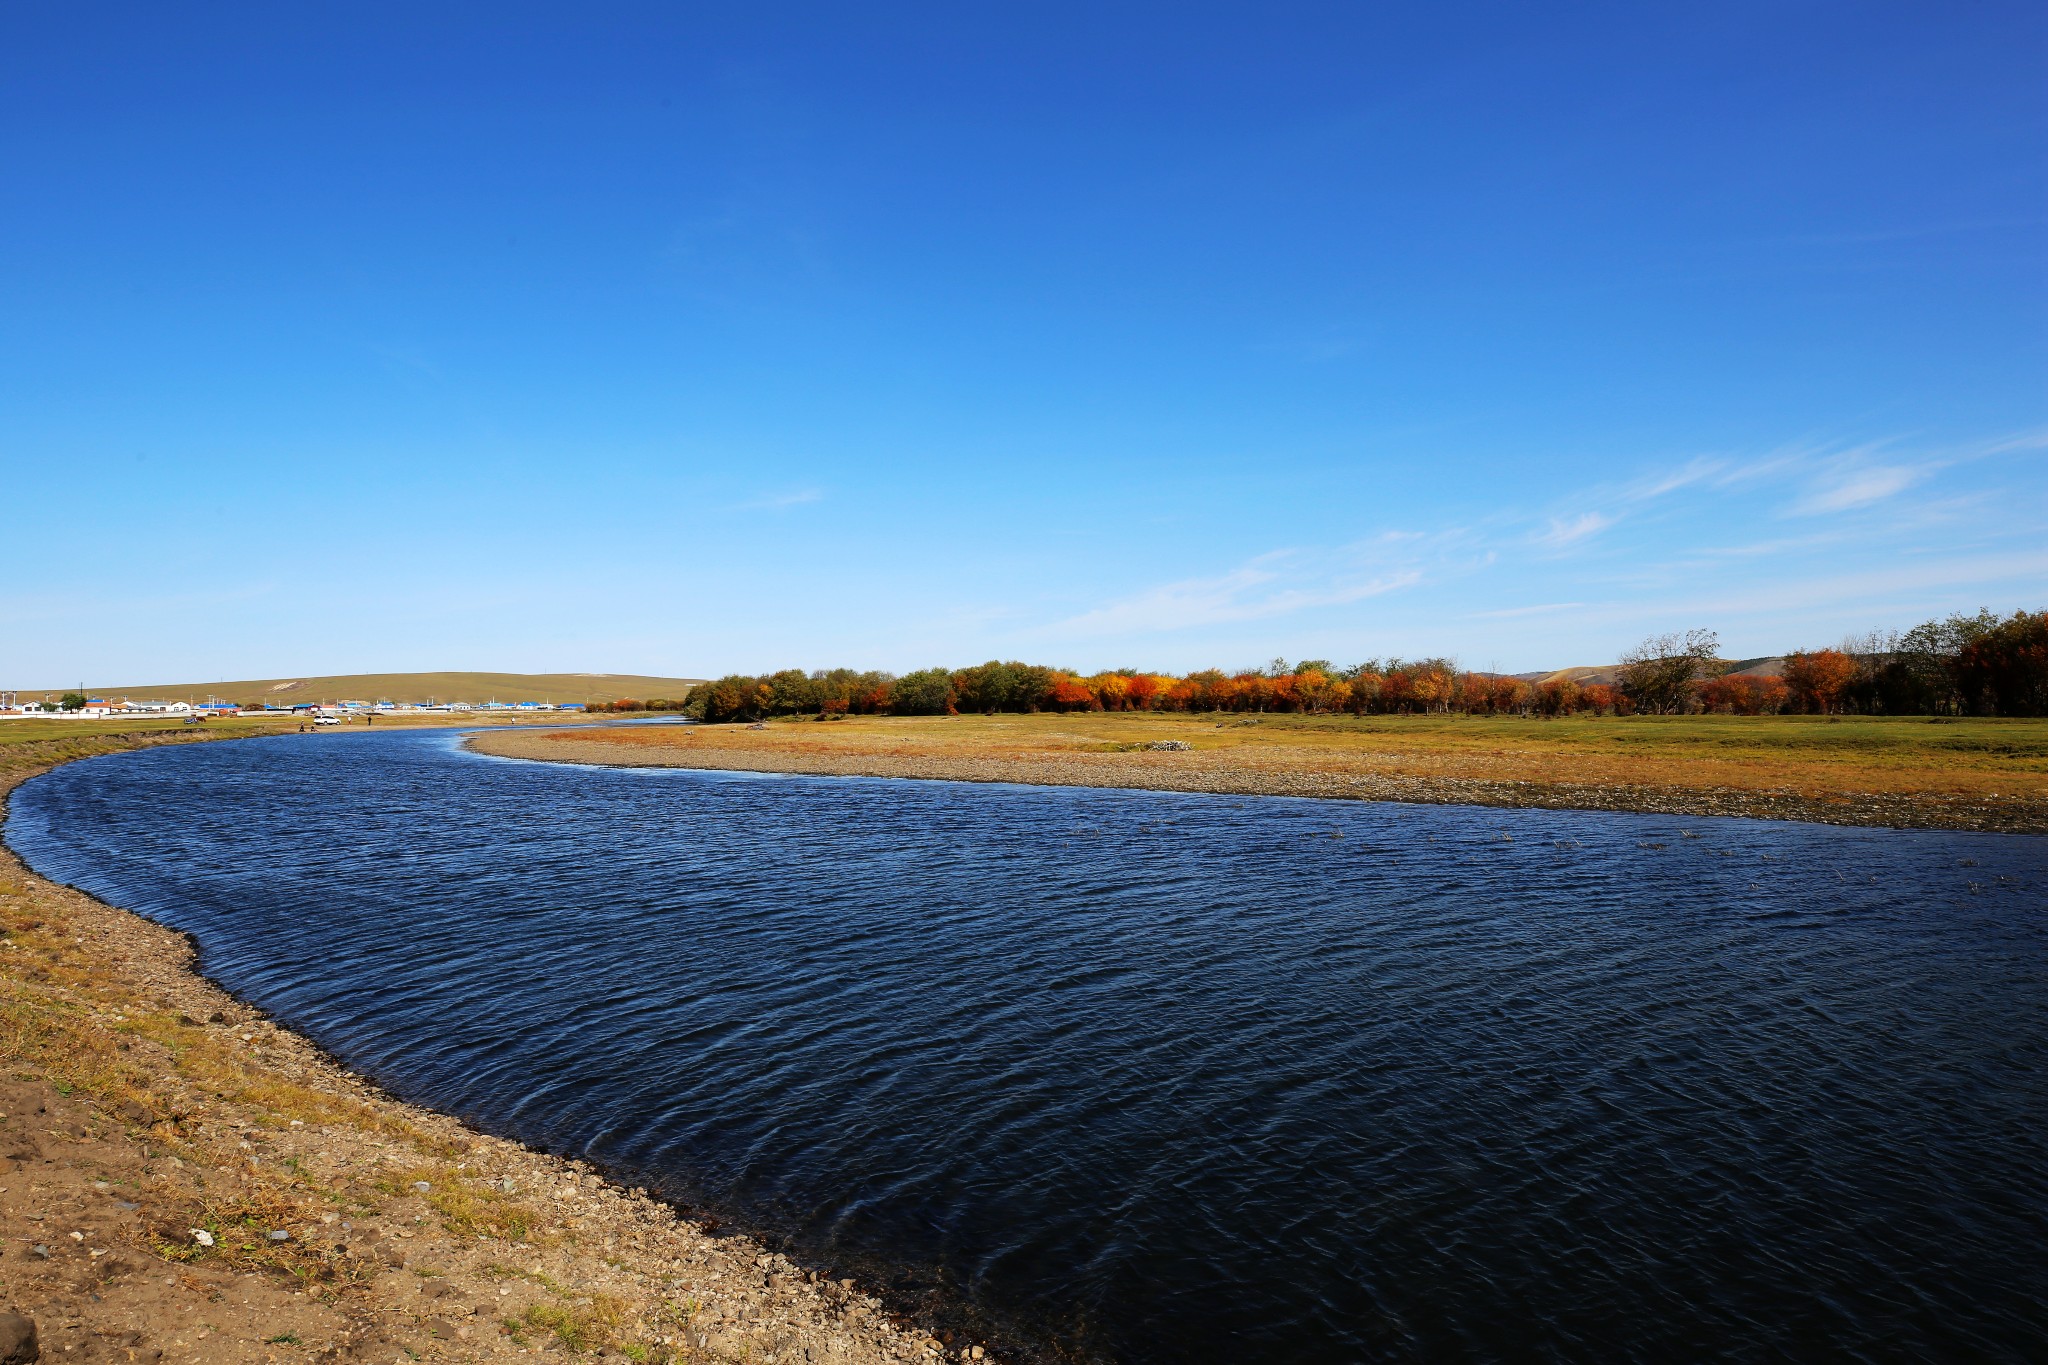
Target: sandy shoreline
730 748
142 1104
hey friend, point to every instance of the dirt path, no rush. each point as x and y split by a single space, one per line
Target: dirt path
184 1182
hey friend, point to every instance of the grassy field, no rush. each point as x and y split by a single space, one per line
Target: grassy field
1886 764
1814 755
35 744
467 687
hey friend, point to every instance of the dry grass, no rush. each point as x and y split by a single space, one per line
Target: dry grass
1808 756
582 1324
241 1228
468 1207
68 1017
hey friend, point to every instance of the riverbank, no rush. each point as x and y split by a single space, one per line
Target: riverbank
1917 772
185 1182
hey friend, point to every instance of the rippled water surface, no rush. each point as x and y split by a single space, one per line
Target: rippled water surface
1161 1077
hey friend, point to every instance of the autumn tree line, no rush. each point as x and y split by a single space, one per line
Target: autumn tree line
1964 665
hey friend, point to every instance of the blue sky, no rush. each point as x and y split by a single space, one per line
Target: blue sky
660 339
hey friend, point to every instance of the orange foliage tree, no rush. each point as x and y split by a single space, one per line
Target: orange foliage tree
1558 696
1112 691
1743 696
1511 696
1069 693
1605 699
1982 663
1817 678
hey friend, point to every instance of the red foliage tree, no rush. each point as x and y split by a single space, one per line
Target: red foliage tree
1747 695
1604 699
1070 693
2005 670
1557 696
1474 694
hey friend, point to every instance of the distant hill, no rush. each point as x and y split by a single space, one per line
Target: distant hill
1584 675
467 687
1758 668
1588 675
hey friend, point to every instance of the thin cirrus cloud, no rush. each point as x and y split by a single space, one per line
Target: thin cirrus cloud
1698 522
1859 486
1571 528
1563 531
1279 583
1936 576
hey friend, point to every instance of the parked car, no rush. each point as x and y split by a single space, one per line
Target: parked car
327 720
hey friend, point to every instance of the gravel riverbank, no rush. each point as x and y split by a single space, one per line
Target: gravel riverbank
185 1182
1243 772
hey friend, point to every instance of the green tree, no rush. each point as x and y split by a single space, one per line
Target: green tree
793 693
1659 674
2004 671
71 701
733 697
999 686
927 692
1918 673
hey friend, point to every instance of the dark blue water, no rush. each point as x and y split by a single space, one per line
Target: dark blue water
1159 1077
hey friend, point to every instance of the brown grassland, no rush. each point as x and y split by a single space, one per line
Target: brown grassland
1987 774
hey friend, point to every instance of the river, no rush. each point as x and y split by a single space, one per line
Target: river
1151 1076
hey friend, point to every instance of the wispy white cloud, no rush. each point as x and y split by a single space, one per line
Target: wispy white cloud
1704 555
1921 574
1850 486
1697 470
1280 583
2025 440
1683 541
1564 531
1836 478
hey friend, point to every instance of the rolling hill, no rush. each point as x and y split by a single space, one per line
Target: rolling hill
465 687
1768 667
